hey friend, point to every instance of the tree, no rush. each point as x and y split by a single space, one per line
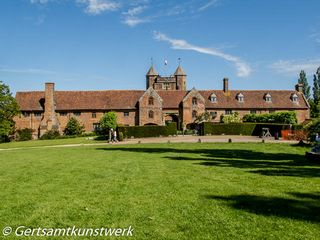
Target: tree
73 127
315 103
203 117
8 110
304 81
108 121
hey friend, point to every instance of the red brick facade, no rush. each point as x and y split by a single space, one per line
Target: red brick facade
164 100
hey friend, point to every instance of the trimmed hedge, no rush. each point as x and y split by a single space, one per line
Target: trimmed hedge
148 131
286 117
249 129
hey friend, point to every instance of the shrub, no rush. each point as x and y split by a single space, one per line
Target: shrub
249 129
288 117
232 118
120 136
312 129
24 134
73 127
148 131
107 121
51 134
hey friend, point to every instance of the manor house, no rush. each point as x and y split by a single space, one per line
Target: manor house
165 99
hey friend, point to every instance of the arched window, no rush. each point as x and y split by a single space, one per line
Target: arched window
194 101
267 97
151 114
150 100
213 98
240 97
194 114
294 98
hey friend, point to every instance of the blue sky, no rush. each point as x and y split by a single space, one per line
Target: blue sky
108 44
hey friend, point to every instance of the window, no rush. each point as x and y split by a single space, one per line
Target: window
37 114
228 111
194 101
253 111
267 97
63 114
94 115
126 114
194 114
166 86
150 100
26 114
77 114
95 126
213 115
240 97
213 98
294 98
151 114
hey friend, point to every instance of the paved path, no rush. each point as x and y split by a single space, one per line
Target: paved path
176 139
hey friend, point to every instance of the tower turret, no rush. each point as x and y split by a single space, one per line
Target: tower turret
150 77
181 78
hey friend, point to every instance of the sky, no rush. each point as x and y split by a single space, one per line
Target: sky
109 44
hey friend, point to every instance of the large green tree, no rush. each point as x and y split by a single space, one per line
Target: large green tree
304 81
315 102
108 121
8 109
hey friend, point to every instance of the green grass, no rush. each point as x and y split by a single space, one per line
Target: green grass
42 143
165 191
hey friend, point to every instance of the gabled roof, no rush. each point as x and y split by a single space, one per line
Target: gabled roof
128 99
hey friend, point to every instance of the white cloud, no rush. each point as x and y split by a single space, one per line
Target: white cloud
96 7
39 1
207 5
243 69
293 67
131 16
134 21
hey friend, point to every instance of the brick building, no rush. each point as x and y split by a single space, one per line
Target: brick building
165 99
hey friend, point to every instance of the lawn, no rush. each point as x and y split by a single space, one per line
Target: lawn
164 191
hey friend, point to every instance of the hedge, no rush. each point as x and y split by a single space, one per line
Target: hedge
249 129
148 131
286 117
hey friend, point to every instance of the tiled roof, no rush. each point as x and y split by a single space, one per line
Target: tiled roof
128 99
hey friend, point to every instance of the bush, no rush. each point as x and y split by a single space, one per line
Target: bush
148 131
51 134
107 121
232 118
73 127
312 129
288 117
120 136
24 134
249 129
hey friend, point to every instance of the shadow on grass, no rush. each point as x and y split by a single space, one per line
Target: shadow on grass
269 164
306 209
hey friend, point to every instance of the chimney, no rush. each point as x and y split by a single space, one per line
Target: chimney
49 120
299 88
225 85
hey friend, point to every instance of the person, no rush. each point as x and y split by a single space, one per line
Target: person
115 136
317 138
110 135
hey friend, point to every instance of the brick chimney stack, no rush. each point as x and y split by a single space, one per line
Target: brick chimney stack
299 87
50 120
225 85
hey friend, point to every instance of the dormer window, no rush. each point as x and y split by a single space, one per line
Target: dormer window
268 98
194 101
240 97
213 98
150 100
294 98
